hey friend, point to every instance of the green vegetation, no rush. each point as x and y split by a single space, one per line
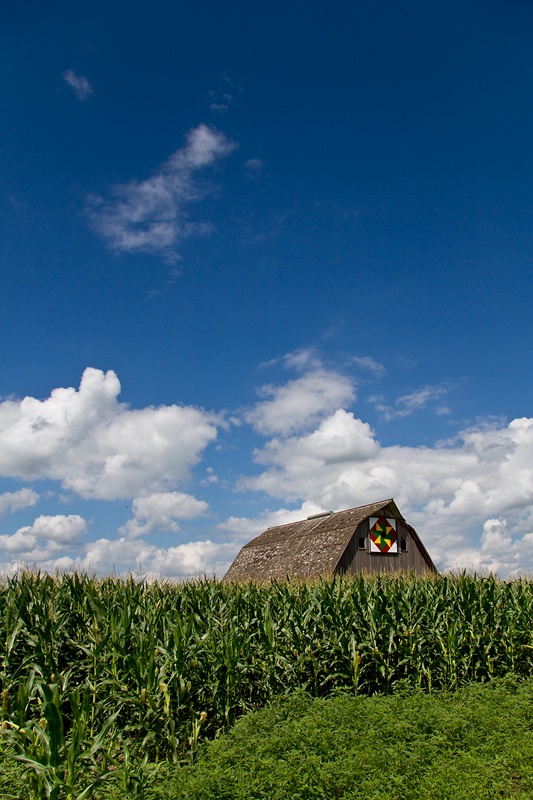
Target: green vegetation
107 680
473 744
476 744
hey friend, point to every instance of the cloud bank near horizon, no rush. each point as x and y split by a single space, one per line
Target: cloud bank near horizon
471 500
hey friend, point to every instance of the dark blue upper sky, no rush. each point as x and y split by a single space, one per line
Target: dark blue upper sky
365 193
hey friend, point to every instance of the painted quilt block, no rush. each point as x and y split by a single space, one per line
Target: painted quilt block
383 536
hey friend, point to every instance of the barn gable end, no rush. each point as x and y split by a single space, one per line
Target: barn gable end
332 543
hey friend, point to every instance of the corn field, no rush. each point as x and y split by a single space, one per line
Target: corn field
93 667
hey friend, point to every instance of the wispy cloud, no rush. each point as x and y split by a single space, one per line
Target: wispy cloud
221 98
79 84
253 168
221 104
370 364
415 401
301 360
149 216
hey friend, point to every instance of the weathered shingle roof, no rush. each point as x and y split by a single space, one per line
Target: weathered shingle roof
305 549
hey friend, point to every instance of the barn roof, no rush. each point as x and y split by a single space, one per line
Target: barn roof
309 548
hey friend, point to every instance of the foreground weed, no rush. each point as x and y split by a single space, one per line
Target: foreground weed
475 744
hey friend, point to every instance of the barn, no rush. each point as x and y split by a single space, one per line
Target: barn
368 539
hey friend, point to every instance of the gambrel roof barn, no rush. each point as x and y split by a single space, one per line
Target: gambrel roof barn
371 538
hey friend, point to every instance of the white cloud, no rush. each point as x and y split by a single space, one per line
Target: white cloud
98 447
43 544
470 498
192 559
244 529
302 360
13 501
415 401
149 216
47 535
127 555
253 167
221 98
447 493
294 406
409 403
220 102
341 438
370 364
160 512
79 84
113 555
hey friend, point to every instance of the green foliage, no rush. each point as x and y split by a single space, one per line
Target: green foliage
476 744
59 758
127 674
472 744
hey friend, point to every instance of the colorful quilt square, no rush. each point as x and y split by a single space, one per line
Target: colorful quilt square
383 536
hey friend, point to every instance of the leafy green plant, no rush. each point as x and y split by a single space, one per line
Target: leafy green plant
59 760
474 744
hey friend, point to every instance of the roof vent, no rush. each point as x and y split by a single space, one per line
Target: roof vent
322 514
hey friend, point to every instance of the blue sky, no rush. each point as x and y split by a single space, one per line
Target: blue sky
261 260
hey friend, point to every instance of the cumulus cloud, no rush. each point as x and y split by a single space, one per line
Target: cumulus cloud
470 498
244 529
57 543
79 84
126 555
47 536
161 512
150 216
13 501
98 447
448 493
192 559
340 438
295 405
